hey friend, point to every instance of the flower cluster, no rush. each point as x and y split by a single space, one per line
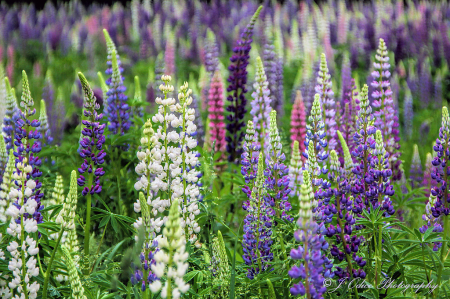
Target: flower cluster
75 283
295 170
117 109
258 222
215 113
26 196
261 105
238 89
6 186
220 268
298 122
11 116
170 260
315 266
323 88
385 117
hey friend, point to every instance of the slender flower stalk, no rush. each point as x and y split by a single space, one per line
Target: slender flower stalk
216 113
298 122
26 197
238 89
11 116
93 155
171 259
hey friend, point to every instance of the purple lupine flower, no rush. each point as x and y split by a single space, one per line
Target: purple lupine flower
211 52
323 88
261 104
346 77
315 266
276 173
91 143
385 116
416 173
238 89
26 150
258 223
249 160
117 110
11 116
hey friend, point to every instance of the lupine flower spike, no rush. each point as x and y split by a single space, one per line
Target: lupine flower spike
237 90
298 122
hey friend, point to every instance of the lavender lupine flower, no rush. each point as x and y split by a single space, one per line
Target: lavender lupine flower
314 266
11 116
348 119
238 89
408 113
385 117
261 104
279 105
117 109
323 88
249 160
257 227
215 113
416 173
269 59
169 53
277 177
298 122
346 76
44 128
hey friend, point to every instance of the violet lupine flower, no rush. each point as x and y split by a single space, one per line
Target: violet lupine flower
249 160
346 77
347 246
238 89
364 140
276 173
261 104
279 105
416 173
408 113
323 88
117 110
298 122
257 227
215 113
441 170
26 150
91 142
169 53
11 116
385 117
269 58
315 266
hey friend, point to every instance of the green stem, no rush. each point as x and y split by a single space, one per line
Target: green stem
87 228
49 267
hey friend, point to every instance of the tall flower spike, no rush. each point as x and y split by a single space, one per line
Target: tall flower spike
3 93
257 227
26 196
261 104
428 182
211 52
215 113
295 170
75 283
323 88
220 268
385 116
44 128
3 157
298 122
117 108
277 173
237 90
67 215
415 172
11 116
6 186
171 259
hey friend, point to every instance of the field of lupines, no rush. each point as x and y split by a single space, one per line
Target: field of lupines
224 149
